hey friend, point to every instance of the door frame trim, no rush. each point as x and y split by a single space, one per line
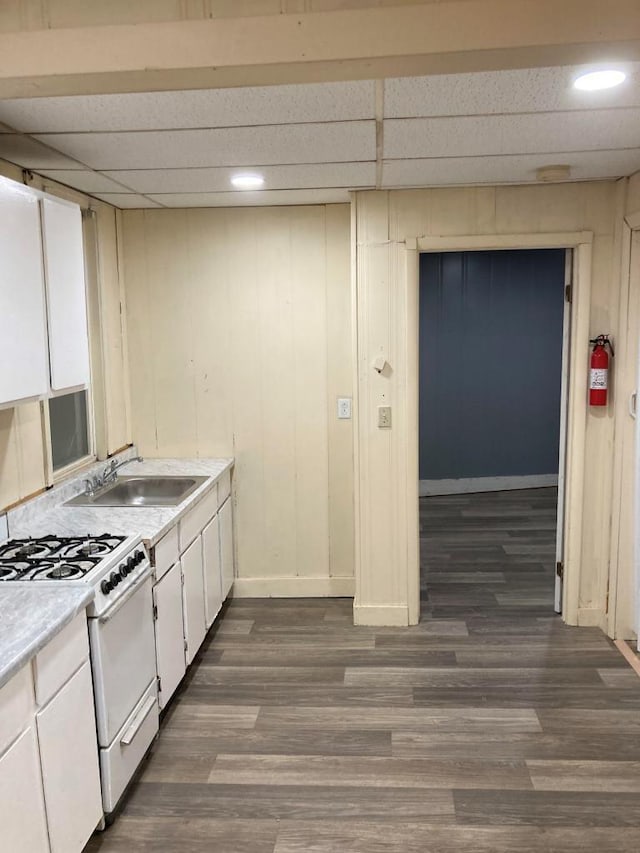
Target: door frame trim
581 243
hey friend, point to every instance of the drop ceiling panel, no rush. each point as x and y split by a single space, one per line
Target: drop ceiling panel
306 176
242 146
514 134
26 152
252 199
491 92
316 102
84 180
505 169
127 200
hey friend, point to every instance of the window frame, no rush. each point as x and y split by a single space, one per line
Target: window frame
57 475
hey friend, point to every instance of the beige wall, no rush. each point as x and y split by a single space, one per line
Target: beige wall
239 344
384 221
22 451
621 622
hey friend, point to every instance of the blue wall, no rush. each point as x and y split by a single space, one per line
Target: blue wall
490 363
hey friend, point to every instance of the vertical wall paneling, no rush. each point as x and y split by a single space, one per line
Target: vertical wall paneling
482 217
247 312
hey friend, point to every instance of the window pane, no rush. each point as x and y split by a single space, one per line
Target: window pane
69 428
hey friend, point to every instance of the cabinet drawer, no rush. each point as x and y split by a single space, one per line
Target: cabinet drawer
193 522
16 706
165 553
57 662
224 487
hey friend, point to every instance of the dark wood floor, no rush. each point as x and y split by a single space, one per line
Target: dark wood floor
489 728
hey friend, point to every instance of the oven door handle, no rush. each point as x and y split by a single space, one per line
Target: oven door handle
136 725
111 611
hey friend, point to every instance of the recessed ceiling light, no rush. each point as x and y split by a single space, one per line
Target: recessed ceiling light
247 182
605 79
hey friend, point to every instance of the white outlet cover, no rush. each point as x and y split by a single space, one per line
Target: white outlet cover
344 408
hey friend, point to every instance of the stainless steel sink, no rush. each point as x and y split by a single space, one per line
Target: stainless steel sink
141 491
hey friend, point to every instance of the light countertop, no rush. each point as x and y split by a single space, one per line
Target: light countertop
31 616
149 522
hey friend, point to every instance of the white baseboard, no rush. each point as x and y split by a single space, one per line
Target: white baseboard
430 488
299 587
394 615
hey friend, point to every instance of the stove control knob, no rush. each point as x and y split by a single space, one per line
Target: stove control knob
124 570
139 556
131 564
115 579
106 587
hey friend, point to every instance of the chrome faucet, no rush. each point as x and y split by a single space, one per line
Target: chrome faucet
108 475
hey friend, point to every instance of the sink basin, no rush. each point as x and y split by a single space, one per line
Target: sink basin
141 491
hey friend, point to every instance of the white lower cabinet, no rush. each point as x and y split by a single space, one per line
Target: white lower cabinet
193 598
194 568
211 566
226 547
69 761
23 822
167 598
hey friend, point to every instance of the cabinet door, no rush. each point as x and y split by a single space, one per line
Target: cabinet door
167 596
226 547
69 761
193 598
23 823
212 578
66 299
24 368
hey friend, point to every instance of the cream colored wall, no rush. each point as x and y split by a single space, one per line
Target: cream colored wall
239 339
622 597
384 221
23 469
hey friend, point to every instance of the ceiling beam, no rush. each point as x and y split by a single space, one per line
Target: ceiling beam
428 38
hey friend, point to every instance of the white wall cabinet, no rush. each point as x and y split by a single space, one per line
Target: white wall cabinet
24 368
69 760
167 599
211 570
193 598
66 298
23 821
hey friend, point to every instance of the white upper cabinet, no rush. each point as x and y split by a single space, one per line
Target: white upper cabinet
66 298
24 365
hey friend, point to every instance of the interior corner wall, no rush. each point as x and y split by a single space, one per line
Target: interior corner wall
239 334
22 450
623 592
384 221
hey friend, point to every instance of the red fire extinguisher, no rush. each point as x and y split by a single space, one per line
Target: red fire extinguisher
599 373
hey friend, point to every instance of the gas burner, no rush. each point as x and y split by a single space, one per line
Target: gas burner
90 547
64 570
77 547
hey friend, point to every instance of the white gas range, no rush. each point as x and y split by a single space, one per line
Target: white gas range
121 637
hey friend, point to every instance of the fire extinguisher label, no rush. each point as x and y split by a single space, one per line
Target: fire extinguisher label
598 379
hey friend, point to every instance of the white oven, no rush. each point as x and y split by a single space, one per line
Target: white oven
124 675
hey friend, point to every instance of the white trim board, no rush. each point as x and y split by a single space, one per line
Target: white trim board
430 488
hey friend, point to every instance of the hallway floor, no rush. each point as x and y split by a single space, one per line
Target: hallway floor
488 728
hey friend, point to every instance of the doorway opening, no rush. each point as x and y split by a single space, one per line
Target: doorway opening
493 391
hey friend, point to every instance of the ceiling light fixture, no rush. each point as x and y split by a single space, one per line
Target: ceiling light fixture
247 182
607 78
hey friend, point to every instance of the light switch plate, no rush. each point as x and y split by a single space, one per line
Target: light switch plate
384 417
344 408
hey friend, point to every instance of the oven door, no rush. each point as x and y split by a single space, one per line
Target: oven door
123 657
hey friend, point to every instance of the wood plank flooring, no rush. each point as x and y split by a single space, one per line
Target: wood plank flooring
489 728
